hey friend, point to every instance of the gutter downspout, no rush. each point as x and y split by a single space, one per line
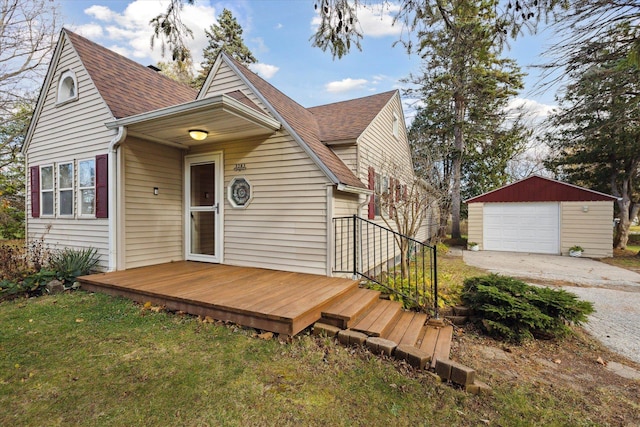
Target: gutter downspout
367 199
113 196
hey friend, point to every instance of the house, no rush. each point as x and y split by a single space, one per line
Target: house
542 215
149 171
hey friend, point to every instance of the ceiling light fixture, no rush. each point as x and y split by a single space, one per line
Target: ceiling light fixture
198 134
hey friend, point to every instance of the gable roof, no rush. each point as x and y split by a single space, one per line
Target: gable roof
347 120
131 89
540 189
302 122
127 87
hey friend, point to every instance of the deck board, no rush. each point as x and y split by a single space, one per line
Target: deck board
279 301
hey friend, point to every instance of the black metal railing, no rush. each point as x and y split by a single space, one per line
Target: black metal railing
399 264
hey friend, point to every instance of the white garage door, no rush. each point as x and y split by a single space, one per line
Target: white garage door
522 227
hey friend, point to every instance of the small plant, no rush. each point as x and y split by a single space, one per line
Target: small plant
26 270
71 263
576 248
512 310
473 246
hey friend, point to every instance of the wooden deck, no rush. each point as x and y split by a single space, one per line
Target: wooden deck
276 301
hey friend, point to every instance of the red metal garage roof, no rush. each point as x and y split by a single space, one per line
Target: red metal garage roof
539 189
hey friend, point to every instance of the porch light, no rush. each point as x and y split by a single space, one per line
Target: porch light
198 134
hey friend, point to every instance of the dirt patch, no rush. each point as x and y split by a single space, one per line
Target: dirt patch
576 364
624 259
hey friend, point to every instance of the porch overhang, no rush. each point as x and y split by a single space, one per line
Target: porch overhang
223 117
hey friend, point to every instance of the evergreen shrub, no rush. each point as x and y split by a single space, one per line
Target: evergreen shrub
512 310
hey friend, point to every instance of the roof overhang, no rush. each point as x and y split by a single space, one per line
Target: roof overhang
222 116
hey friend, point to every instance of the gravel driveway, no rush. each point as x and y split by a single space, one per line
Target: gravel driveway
614 291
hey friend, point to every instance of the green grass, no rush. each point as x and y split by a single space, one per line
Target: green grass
88 359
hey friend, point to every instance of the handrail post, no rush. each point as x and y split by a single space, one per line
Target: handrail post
355 249
435 281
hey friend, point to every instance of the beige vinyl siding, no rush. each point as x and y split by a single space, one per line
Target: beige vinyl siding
390 156
153 231
593 230
285 225
344 205
475 223
226 80
349 156
70 132
378 147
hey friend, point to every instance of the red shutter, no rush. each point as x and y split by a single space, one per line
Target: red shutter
35 191
102 186
372 200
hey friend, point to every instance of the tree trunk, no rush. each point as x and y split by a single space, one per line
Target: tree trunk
621 237
628 211
458 148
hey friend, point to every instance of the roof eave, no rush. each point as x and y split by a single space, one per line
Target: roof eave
473 199
356 190
225 102
41 98
329 174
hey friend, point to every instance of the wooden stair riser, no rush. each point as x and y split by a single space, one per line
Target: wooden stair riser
352 308
380 319
408 328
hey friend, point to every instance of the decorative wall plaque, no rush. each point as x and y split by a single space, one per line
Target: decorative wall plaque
239 192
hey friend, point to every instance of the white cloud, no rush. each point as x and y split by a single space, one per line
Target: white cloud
129 32
346 85
101 13
375 20
90 31
534 109
278 26
265 71
259 45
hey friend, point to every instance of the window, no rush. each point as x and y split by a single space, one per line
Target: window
379 188
67 87
65 189
46 190
87 187
396 125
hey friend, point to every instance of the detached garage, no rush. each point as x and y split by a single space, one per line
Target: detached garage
542 215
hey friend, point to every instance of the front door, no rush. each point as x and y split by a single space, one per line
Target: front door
203 189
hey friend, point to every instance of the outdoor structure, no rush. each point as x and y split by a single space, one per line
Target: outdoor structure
542 215
148 171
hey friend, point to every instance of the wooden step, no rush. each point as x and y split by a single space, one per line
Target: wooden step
379 319
437 342
348 310
407 329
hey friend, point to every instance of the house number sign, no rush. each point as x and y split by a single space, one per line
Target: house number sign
239 167
239 192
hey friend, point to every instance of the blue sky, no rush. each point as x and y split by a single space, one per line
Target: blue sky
278 33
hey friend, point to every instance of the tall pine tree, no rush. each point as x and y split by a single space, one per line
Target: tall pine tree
596 134
465 86
225 35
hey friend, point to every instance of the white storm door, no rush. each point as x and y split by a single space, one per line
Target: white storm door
522 227
203 222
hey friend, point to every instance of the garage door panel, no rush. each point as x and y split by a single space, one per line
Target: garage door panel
521 227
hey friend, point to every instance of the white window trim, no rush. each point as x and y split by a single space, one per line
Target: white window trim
59 189
80 188
52 191
59 99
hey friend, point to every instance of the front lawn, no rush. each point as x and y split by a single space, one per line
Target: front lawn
89 359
